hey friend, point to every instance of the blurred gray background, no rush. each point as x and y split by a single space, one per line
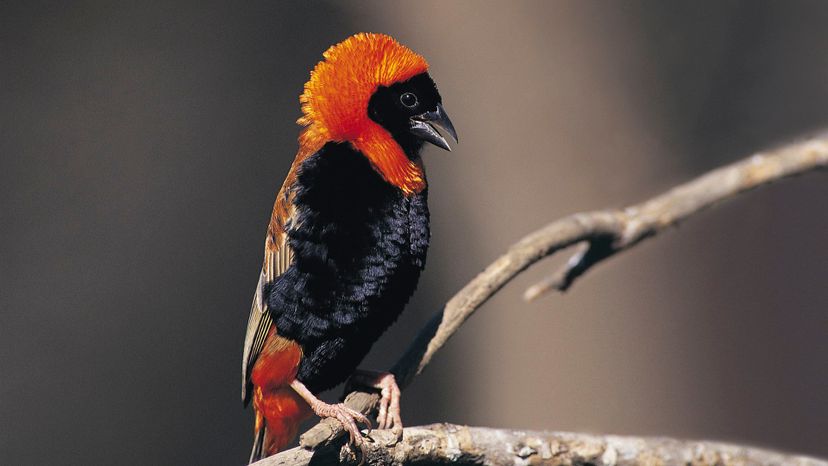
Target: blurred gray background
142 147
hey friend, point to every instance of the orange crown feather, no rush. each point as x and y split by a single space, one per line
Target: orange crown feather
335 103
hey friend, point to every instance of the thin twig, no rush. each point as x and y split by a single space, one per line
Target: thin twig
606 232
461 445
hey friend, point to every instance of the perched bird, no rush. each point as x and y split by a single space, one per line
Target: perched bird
347 238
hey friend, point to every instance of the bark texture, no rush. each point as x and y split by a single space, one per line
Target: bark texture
461 445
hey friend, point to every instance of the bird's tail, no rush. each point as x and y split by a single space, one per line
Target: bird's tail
278 415
258 442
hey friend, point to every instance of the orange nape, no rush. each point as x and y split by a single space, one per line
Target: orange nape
336 97
279 409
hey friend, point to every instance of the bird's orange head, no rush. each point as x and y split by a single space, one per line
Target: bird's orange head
376 94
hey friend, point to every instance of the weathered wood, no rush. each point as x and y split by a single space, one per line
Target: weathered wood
461 445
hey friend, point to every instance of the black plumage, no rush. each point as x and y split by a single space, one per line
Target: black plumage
359 245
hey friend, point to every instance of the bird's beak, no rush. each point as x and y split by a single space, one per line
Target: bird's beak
422 126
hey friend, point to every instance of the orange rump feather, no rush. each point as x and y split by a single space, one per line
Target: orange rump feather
273 398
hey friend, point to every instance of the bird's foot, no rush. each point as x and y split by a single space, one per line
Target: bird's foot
349 418
389 408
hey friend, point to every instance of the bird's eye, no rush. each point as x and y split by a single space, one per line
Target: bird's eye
409 100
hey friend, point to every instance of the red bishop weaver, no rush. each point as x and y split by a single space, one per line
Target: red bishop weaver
347 238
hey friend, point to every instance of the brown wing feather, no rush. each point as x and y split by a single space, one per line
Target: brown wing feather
277 258
258 324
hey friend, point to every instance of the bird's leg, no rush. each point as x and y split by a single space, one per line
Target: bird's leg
389 408
347 416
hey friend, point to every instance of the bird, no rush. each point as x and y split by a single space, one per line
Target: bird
347 238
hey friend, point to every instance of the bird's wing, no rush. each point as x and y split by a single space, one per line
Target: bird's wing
277 258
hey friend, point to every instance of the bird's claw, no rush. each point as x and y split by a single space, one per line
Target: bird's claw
388 416
350 419
389 408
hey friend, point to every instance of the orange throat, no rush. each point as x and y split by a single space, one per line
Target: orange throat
385 155
335 102
389 159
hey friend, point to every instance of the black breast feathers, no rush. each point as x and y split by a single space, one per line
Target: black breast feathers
359 245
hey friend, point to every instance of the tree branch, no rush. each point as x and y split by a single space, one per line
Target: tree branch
461 445
649 218
605 233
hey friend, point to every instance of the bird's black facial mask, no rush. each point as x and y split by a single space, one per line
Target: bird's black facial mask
409 111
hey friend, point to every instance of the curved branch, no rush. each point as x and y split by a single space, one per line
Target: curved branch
651 217
605 232
461 445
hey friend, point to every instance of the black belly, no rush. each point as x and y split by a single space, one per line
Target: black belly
359 245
